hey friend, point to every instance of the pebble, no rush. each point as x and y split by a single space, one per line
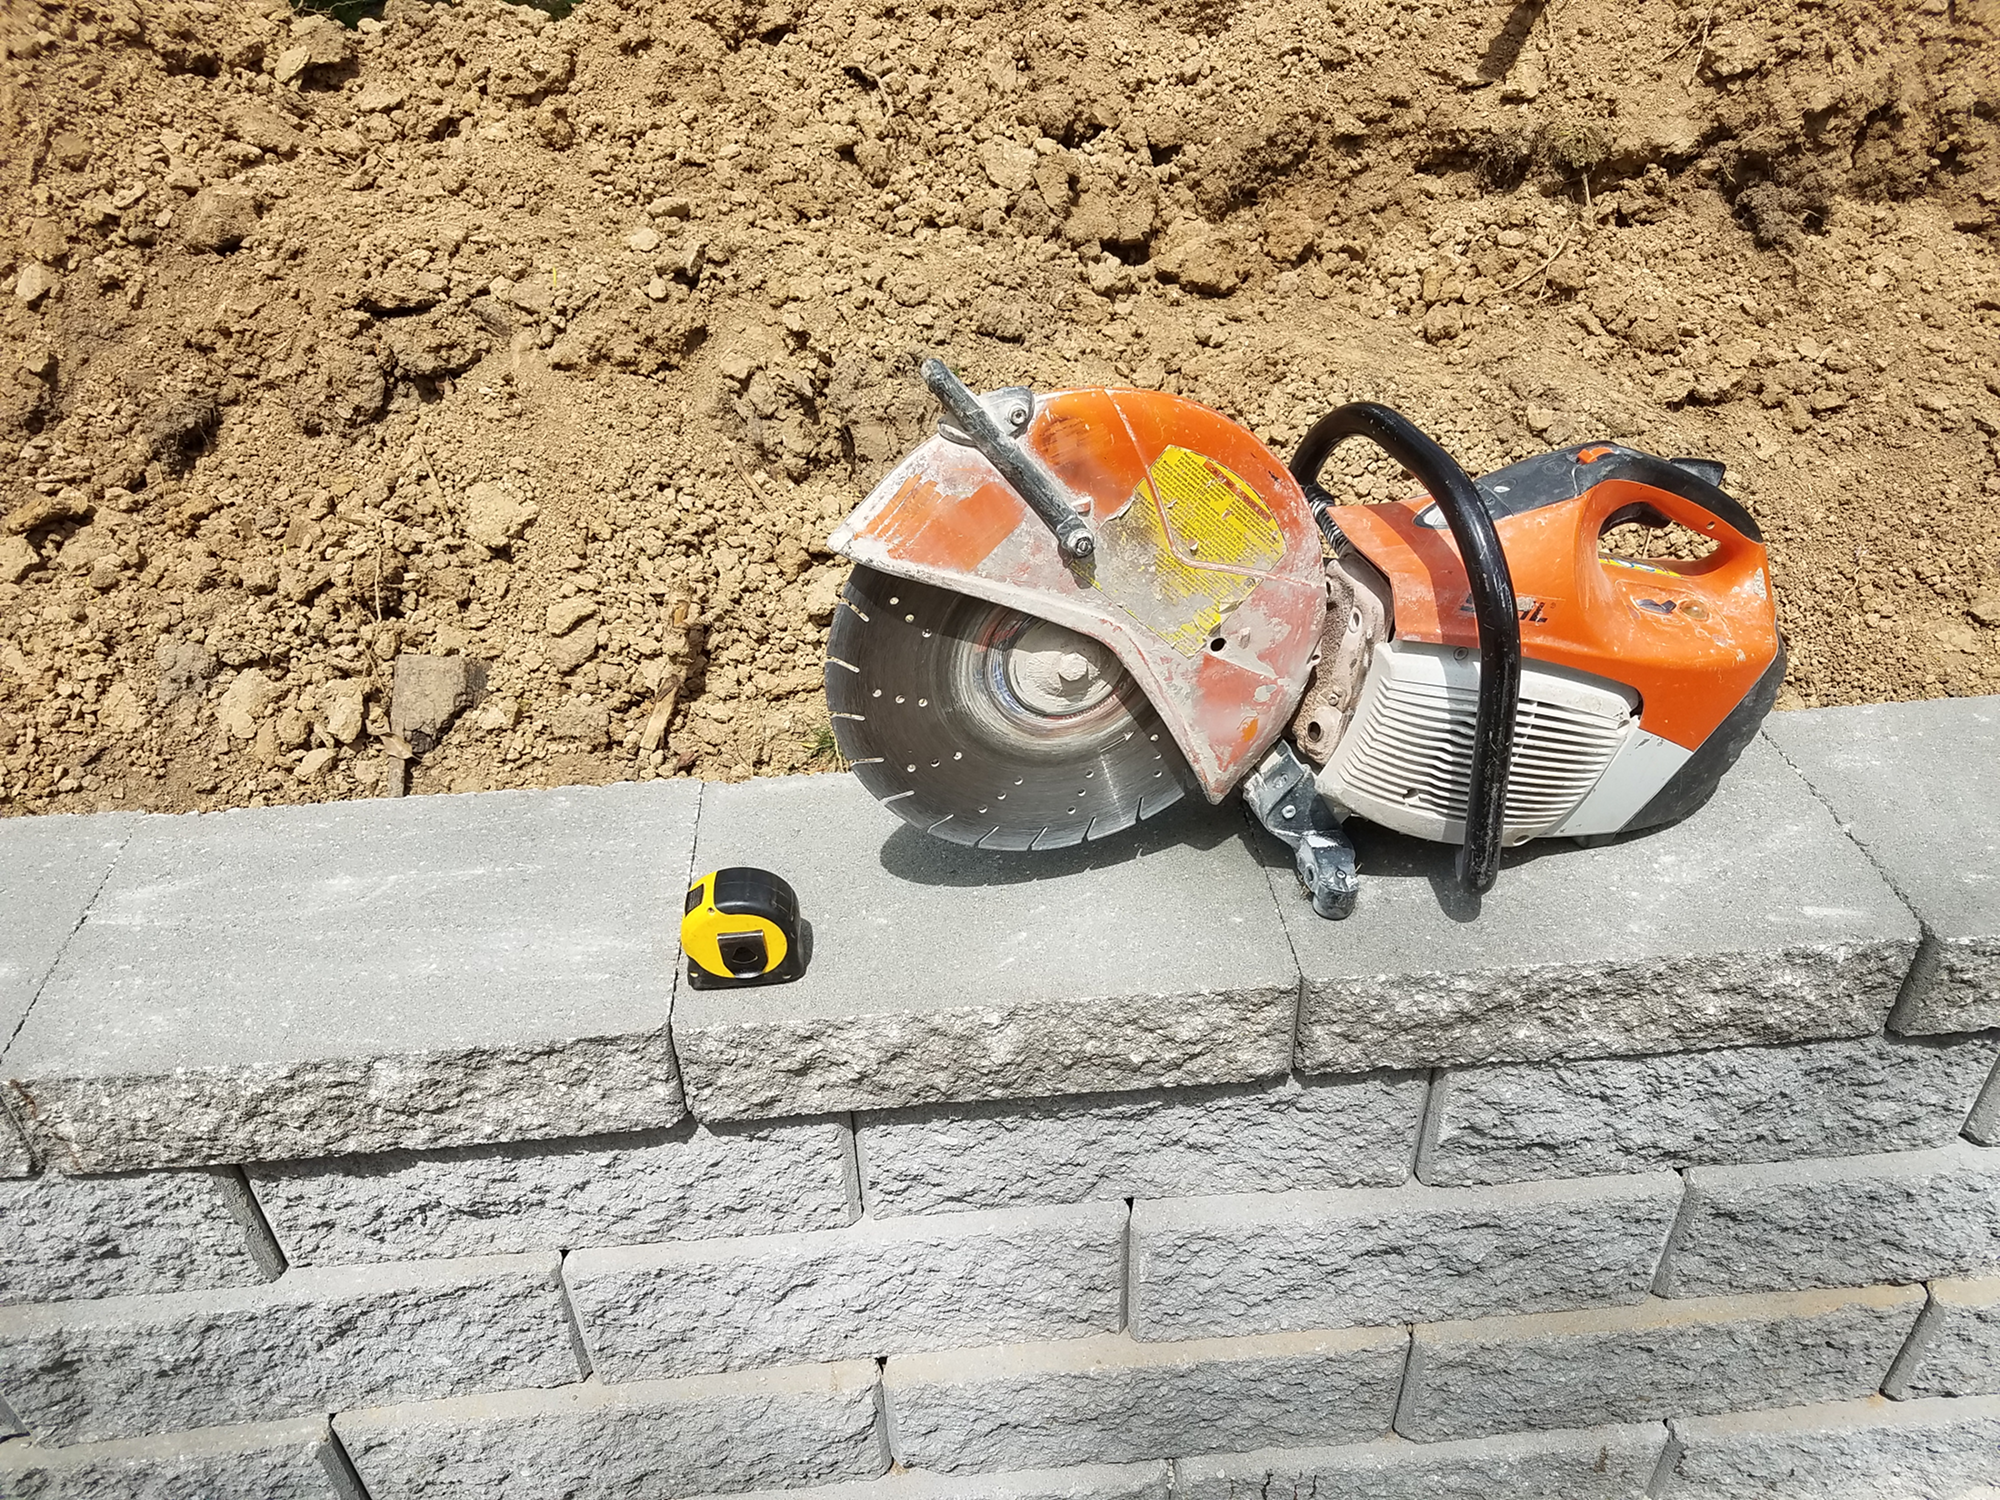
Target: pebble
431 691
35 282
566 614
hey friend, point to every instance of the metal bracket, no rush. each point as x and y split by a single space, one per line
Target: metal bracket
1282 797
1012 408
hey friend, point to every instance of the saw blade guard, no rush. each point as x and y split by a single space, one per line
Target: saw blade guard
1205 579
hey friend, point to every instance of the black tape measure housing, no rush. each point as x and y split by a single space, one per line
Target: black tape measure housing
740 926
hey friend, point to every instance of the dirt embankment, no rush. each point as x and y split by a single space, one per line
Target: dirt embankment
560 345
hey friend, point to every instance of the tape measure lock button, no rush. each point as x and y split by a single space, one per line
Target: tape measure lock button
741 926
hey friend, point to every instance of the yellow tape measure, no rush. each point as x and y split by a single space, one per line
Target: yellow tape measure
741 926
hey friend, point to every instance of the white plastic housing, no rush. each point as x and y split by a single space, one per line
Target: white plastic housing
1406 759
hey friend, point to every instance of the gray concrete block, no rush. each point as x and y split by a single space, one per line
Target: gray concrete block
15 1158
1261 1264
1918 785
1755 920
1153 958
1113 1399
64 1237
1983 1124
1652 1361
1736 1104
1955 1350
312 1341
1844 1221
1872 1449
758 1429
50 871
358 976
1251 1138
687 1182
265 1461
881 1287
1083 1482
1601 1463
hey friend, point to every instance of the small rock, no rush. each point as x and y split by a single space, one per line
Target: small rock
1985 608
1210 264
1008 165
293 729
566 614
573 650
1540 420
588 722
119 711
39 360
47 510
17 559
313 763
219 220
378 97
493 519
499 714
344 708
184 669
245 702
431 691
1289 236
317 42
645 241
35 282
107 572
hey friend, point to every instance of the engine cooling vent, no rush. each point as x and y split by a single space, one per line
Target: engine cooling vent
1406 761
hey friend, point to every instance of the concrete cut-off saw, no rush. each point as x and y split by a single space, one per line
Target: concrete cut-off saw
1070 610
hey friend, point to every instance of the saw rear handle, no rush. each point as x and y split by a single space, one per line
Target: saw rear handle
1492 604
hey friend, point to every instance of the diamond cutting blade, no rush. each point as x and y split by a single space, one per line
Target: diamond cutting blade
986 726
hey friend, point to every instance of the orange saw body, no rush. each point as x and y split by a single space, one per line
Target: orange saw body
1072 608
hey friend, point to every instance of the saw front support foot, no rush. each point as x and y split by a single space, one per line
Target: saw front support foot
1281 796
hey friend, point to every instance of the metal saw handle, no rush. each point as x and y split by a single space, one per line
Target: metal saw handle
1017 465
1492 603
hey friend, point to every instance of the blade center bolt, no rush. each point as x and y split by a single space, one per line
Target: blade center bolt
1073 667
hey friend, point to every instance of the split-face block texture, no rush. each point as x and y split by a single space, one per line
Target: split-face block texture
311 1342
1755 920
1082 1482
1740 1104
1918 786
1154 958
1656 1360
259 1461
67 1237
1243 1139
365 976
761 1429
879 1288
1848 1221
1600 1463
691 1181
1955 1350
1874 1449
1272 1262
1110 1398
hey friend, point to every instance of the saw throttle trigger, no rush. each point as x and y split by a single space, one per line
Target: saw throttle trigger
741 926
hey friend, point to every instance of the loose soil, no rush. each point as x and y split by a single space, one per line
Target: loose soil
562 344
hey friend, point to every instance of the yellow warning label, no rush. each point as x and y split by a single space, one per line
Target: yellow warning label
1192 544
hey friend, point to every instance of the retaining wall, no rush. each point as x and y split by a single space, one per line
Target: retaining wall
373 1150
